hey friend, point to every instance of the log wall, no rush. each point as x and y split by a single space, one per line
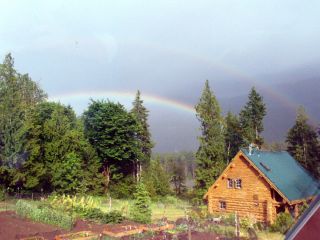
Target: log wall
254 198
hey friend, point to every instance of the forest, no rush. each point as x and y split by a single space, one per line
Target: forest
46 148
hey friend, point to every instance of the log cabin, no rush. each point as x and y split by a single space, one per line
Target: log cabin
261 184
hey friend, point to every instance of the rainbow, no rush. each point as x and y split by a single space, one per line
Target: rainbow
232 71
123 95
172 103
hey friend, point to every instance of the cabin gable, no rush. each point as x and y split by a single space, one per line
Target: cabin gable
242 189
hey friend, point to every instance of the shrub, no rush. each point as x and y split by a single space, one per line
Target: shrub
229 219
112 217
282 223
141 211
303 207
44 214
2 194
98 215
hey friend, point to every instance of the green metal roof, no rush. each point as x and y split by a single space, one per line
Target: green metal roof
285 173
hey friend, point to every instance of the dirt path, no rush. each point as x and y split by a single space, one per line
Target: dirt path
11 226
14 227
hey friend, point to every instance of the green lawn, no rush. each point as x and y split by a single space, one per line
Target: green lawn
172 210
8 205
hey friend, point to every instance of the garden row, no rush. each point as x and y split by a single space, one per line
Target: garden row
63 211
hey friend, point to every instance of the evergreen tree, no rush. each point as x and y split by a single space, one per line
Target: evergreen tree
303 143
143 135
141 211
233 135
112 132
178 178
18 94
210 155
156 179
251 118
57 155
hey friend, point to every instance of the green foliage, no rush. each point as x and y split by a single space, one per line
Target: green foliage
67 202
282 224
251 118
111 130
141 211
112 217
58 156
44 214
210 155
19 94
229 219
303 207
303 144
84 206
143 135
233 135
123 189
156 179
2 193
68 176
96 214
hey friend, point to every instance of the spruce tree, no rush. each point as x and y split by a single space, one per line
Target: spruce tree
233 135
143 134
18 95
303 143
251 118
141 211
210 157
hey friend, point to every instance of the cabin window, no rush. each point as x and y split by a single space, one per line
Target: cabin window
238 183
229 183
223 205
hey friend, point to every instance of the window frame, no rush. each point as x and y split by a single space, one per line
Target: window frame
230 180
222 205
238 183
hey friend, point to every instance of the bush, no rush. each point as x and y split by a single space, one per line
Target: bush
98 215
282 223
2 194
43 213
112 217
303 207
229 219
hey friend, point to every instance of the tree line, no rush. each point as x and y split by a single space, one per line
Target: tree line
222 137
45 147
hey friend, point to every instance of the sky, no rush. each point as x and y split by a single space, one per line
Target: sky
166 49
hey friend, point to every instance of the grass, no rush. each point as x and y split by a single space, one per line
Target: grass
172 209
8 205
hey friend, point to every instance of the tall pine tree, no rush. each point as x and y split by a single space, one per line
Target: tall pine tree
233 135
251 118
143 135
303 143
210 155
18 95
